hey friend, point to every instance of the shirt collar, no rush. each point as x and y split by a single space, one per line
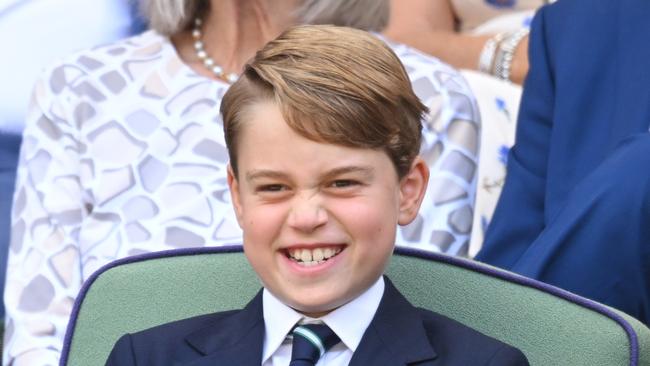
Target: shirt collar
279 319
349 321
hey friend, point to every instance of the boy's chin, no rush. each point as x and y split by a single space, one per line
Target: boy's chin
316 308
316 314
316 311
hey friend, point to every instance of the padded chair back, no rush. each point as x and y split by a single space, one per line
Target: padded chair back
551 326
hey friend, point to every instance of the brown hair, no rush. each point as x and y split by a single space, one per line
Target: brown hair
332 84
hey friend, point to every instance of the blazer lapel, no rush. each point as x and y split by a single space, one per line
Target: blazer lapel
234 340
396 335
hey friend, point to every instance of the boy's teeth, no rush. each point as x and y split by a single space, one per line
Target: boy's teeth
305 256
328 252
317 254
310 257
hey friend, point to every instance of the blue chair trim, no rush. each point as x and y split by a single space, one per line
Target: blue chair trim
65 352
455 261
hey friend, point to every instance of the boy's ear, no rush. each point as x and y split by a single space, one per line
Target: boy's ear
413 186
235 197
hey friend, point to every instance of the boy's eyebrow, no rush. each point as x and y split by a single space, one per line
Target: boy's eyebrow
367 171
263 173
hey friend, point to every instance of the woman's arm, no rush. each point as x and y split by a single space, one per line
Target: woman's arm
429 25
43 271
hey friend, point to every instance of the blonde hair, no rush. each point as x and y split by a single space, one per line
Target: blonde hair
172 16
333 84
369 15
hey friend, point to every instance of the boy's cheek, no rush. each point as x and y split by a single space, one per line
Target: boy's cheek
261 221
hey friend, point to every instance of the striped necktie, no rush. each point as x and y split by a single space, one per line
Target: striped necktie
310 342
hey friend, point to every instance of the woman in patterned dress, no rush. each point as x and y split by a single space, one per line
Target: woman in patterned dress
124 153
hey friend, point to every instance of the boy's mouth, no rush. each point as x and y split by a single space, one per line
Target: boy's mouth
311 257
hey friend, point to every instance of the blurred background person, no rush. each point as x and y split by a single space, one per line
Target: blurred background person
33 34
488 41
468 34
124 152
575 208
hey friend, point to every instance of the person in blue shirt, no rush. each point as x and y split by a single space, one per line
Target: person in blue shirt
575 208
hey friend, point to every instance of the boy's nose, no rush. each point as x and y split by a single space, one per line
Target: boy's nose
307 213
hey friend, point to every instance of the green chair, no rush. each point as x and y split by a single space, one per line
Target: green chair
551 326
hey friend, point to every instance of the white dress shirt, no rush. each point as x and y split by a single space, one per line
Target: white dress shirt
349 322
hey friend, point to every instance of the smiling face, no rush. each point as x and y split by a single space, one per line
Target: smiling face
319 219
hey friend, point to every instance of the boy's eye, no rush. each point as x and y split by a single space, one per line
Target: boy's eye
271 188
343 183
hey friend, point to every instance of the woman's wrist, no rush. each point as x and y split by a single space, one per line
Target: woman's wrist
486 58
502 55
520 62
506 53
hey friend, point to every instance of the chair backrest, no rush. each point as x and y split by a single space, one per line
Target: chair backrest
551 326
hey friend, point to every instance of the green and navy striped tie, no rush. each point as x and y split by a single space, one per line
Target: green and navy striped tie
310 342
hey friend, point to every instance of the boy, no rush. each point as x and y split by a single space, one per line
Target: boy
323 132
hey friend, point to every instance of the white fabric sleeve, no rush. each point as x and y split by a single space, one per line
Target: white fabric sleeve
43 269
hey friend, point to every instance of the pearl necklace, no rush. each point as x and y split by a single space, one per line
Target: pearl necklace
217 70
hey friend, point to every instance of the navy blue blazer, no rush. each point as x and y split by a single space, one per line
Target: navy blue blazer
587 92
588 88
399 334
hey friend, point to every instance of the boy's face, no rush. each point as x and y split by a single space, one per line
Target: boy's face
319 220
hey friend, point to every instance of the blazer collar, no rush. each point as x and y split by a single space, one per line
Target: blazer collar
396 335
232 340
